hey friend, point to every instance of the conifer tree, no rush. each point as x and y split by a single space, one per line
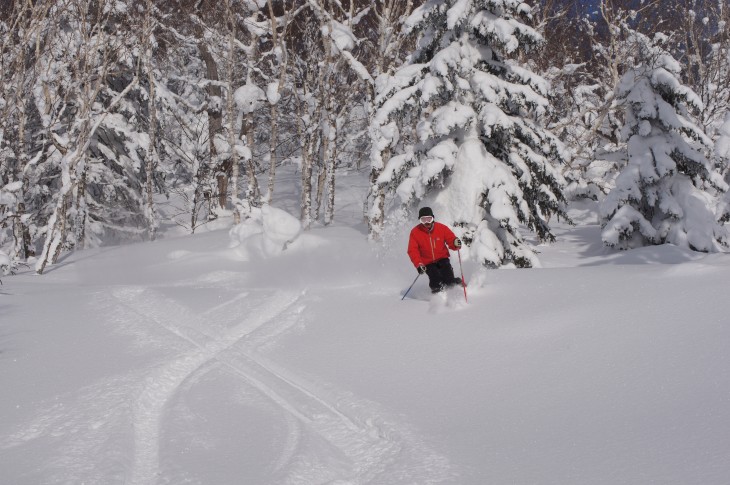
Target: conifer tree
667 192
461 122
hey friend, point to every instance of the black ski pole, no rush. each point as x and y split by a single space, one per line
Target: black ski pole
409 288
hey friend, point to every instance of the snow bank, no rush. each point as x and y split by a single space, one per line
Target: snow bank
267 233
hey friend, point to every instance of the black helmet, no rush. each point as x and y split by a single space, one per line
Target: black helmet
425 211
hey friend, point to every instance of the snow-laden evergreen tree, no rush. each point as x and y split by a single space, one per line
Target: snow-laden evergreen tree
460 119
667 193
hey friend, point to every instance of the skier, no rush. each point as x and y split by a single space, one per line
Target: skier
428 248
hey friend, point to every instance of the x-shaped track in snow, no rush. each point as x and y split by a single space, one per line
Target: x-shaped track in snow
361 450
331 436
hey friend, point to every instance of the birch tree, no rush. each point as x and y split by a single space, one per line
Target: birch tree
705 31
279 25
390 16
22 40
307 77
81 79
151 157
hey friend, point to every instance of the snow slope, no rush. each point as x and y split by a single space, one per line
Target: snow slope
188 361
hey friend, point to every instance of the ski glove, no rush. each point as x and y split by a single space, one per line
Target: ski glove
421 269
457 243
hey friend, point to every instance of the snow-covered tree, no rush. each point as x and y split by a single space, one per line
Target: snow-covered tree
705 50
87 73
667 191
340 67
19 25
330 118
584 119
390 16
461 120
586 116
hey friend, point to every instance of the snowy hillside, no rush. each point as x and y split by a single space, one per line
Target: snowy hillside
189 361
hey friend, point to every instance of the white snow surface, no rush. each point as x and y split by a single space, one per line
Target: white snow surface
179 361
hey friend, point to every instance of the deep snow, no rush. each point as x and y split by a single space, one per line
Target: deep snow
189 361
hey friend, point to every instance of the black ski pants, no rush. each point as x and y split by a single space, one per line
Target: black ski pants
440 275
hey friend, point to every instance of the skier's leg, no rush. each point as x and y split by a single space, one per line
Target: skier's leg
447 273
434 277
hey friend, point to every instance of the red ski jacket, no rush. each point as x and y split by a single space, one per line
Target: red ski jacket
425 247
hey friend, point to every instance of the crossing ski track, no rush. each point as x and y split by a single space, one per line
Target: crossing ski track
331 436
360 448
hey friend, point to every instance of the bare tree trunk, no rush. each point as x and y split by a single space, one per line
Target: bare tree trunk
215 119
231 114
235 172
321 178
252 195
151 158
331 160
81 208
376 218
62 227
328 127
197 193
278 44
20 249
306 214
273 142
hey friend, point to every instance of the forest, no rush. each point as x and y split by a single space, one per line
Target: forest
500 112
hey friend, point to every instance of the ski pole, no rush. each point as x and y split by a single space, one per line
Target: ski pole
409 288
463 284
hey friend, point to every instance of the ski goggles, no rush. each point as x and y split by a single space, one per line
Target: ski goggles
426 219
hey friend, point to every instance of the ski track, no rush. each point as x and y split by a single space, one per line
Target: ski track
331 437
162 384
359 450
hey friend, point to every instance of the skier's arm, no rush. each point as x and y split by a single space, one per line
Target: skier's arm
450 238
413 251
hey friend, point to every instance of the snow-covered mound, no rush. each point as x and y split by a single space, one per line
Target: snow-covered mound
267 233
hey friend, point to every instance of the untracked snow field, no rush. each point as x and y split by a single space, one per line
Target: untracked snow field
188 361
